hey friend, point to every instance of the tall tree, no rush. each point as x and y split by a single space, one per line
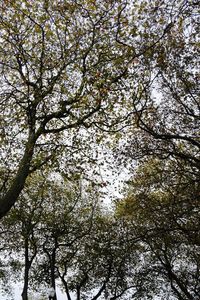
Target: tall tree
70 66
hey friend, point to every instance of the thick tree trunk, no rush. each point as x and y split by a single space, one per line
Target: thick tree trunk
18 182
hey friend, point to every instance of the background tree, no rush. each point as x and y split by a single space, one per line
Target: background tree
21 227
61 231
48 218
163 145
162 209
167 107
96 267
65 222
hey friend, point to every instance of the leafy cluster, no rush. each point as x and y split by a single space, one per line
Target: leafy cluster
83 83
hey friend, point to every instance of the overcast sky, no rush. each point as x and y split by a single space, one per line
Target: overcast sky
18 290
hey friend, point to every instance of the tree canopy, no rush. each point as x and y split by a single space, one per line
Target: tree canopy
71 66
84 84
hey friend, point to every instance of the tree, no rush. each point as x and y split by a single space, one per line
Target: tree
60 79
64 223
167 108
48 70
48 220
162 209
162 205
72 72
21 227
61 231
95 267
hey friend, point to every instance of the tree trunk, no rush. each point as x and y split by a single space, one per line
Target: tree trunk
53 280
52 258
7 201
26 272
66 288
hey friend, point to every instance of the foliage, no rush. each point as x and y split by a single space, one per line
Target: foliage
167 103
69 68
57 76
71 73
162 210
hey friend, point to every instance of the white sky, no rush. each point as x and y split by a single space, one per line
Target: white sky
17 294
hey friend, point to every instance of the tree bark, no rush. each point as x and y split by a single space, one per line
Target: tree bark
26 272
18 182
53 280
